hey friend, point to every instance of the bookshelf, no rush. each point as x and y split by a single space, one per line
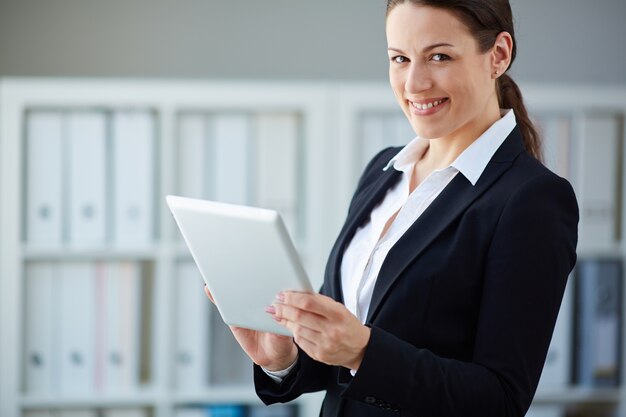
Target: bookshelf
297 147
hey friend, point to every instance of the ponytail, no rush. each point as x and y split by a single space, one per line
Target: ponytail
510 97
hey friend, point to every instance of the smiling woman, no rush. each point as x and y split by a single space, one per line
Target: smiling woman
442 289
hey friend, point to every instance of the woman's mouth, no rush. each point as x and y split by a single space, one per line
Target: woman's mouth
424 108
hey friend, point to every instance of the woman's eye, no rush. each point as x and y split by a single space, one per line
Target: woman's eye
440 57
399 59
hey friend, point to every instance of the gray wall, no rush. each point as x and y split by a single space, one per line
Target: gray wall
577 41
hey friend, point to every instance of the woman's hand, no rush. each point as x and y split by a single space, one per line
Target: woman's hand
322 327
271 351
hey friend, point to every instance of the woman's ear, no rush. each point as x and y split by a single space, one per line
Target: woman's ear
501 54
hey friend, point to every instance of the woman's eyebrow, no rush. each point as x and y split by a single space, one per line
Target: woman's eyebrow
436 45
426 49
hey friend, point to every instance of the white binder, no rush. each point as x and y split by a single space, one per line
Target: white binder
134 177
597 181
76 327
130 308
399 131
557 375
192 329
40 367
119 332
556 134
87 178
192 157
44 179
373 138
231 163
277 166
229 365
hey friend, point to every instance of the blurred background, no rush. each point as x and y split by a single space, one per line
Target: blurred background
564 41
107 106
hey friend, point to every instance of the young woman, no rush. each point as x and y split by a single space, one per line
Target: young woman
443 287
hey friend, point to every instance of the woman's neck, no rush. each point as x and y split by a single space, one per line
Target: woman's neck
443 151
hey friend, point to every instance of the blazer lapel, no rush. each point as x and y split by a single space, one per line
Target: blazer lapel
453 200
363 206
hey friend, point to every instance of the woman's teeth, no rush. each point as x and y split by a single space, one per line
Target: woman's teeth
426 106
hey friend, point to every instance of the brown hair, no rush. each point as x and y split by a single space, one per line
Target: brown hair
485 19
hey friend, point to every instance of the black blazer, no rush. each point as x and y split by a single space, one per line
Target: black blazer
465 303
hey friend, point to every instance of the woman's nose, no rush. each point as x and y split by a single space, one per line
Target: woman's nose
418 80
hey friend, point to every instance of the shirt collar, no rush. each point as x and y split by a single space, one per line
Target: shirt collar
473 160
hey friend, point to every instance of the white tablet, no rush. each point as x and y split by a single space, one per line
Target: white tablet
245 256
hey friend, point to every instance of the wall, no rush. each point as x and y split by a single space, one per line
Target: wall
559 40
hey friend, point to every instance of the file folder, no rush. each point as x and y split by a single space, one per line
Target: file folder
134 178
44 179
87 178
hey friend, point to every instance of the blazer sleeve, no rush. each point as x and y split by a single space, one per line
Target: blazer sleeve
532 252
309 375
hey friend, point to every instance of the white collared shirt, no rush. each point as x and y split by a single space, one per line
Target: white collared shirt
364 256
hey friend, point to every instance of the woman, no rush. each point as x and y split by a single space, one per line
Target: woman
442 290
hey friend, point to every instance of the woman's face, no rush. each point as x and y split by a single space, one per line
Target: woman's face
444 85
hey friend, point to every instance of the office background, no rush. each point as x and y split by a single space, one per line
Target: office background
186 77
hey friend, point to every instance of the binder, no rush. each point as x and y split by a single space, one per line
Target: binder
557 373
399 131
134 177
44 178
87 178
277 173
598 323
557 147
40 370
192 329
373 138
230 144
130 299
120 330
102 320
193 161
597 180
76 327
229 366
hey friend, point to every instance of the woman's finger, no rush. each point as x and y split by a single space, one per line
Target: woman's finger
295 315
315 303
208 293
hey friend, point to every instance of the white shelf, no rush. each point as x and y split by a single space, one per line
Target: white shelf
332 149
244 395
34 253
136 399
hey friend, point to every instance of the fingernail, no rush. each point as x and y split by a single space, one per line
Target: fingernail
270 309
280 297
